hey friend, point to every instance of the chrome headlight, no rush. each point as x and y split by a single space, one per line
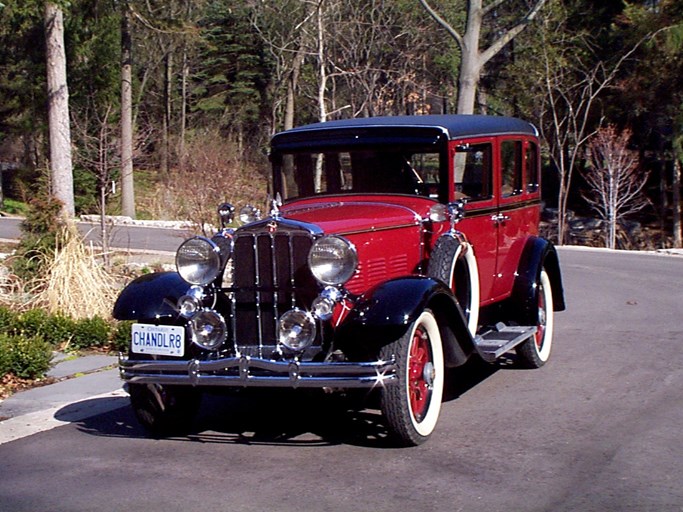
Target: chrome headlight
198 260
296 330
208 329
333 260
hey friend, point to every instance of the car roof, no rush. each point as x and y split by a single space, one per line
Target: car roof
451 126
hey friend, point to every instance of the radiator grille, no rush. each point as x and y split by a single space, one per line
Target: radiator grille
270 277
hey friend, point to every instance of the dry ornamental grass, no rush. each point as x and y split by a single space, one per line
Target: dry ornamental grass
75 283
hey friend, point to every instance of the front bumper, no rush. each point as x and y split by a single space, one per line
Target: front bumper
247 371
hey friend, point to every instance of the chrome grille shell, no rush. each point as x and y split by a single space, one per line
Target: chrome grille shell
270 276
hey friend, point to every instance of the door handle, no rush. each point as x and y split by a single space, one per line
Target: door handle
500 218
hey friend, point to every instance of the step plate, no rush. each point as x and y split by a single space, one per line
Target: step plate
494 343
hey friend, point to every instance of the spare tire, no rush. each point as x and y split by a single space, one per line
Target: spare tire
453 262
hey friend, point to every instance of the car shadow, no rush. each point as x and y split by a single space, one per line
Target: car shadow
273 417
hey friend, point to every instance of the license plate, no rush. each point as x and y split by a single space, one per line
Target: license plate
160 340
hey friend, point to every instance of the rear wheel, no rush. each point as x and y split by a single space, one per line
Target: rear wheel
164 410
535 351
411 407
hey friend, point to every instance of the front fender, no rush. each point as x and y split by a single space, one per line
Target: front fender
151 296
384 313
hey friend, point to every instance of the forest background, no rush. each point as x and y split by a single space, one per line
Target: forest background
210 81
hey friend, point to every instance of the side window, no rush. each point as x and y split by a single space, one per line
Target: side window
532 170
511 167
472 171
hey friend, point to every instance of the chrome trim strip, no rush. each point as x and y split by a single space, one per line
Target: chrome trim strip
377 230
257 282
246 371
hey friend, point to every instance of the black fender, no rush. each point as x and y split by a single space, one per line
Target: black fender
151 296
538 253
385 312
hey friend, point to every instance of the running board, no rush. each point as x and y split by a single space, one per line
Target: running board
494 343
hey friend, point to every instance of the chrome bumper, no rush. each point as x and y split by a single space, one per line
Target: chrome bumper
246 371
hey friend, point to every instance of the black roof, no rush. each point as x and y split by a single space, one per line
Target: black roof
426 128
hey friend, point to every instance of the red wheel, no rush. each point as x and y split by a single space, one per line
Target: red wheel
411 407
534 352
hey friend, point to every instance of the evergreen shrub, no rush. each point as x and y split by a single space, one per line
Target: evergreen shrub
90 332
120 339
27 357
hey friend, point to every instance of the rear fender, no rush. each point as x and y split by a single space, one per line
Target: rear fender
152 296
538 254
384 314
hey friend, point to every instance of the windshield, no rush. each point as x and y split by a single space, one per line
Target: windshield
305 174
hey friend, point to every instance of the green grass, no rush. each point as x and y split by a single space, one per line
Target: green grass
14 207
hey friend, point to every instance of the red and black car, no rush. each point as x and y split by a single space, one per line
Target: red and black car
395 247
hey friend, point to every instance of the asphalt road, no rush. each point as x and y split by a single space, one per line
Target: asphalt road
126 237
597 429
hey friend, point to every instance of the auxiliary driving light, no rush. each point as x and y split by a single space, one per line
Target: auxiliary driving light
323 305
208 329
191 302
296 330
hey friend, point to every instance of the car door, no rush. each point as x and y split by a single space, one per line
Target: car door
473 178
517 194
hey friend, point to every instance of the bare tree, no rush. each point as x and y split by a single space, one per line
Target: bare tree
473 59
573 87
61 169
95 135
287 42
615 179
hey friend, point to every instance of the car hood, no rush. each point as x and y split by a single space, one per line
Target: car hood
344 217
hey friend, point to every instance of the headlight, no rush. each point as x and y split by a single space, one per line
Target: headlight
198 260
296 330
333 260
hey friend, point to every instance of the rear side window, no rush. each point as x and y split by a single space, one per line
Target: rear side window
473 171
511 167
532 170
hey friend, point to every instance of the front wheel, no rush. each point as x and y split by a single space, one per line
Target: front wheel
534 352
164 410
411 407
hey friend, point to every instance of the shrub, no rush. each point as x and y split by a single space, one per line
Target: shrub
39 238
58 329
27 357
120 340
8 320
30 322
90 332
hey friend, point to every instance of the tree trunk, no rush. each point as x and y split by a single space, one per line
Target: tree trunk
292 84
470 66
61 169
472 59
678 235
183 109
166 132
127 184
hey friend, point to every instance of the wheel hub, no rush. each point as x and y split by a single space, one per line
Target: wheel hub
429 374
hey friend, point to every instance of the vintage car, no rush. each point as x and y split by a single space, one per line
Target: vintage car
395 247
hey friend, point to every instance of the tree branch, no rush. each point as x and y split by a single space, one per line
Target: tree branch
508 36
452 32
